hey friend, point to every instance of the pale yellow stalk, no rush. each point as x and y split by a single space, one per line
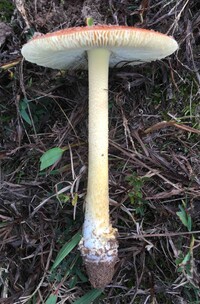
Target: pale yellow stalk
99 245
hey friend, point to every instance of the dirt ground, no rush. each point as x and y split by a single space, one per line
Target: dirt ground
154 159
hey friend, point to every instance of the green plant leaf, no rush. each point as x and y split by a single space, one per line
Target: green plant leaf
63 197
50 157
73 282
25 116
186 258
185 218
22 109
66 249
89 297
81 275
75 199
89 21
51 299
189 226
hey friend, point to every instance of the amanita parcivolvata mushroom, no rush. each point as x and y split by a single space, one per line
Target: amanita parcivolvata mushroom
96 48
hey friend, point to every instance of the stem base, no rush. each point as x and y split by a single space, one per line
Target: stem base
101 273
100 261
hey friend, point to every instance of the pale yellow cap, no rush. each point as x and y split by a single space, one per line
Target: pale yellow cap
67 48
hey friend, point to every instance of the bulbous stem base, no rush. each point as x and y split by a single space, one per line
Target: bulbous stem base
101 258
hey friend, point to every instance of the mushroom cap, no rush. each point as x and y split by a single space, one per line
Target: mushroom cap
68 48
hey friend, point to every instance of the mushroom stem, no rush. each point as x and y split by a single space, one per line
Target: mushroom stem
99 245
97 207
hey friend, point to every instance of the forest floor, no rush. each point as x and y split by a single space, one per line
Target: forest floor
154 159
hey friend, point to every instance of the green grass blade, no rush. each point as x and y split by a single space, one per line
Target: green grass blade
23 105
26 117
89 297
185 218
52 299
66 249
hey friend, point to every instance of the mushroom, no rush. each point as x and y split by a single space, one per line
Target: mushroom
97 48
